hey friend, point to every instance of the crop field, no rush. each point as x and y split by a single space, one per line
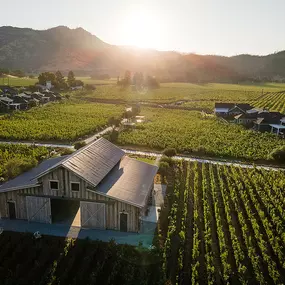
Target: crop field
273 101
14 159
169 94
55 260
65 121
189 132
15 81
224 225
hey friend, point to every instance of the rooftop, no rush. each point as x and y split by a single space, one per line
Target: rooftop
28 179
129 181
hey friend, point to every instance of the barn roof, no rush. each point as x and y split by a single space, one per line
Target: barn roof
129 181
92 162
27 179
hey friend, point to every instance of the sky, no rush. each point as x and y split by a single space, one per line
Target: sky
221 27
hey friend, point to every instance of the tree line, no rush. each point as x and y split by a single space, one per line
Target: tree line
59 81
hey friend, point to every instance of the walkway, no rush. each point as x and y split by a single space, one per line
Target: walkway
77 232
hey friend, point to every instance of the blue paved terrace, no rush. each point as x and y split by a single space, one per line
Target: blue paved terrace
64 230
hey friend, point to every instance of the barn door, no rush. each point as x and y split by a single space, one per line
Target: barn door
38 209
123 222
12 210
92 215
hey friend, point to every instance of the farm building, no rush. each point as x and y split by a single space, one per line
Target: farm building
106 188
231 109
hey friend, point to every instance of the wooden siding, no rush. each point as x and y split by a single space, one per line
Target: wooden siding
38 209
16 196
113 208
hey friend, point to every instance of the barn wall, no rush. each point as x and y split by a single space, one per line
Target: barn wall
16 196
113 207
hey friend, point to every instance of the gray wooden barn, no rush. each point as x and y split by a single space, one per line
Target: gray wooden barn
107 188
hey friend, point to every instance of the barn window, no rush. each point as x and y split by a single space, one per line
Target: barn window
53 185
75 186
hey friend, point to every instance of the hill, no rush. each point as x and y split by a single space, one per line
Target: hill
76 49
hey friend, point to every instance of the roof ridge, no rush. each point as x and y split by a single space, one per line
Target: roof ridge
85 147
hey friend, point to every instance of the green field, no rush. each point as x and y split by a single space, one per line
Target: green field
14 159
64 121
15 81
189 132
170 94
223 225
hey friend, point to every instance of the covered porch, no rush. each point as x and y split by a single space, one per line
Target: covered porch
277 129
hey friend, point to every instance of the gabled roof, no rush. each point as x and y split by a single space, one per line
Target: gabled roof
6 99
92 162
224 105
246 116
28 179
129 181
230 106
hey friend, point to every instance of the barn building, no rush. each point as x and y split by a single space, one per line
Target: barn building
108 189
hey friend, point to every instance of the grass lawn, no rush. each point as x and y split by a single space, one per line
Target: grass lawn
150 160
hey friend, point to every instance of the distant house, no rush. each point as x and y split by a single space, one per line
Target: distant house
231 109
238 109
76 88
7 104
8 90
265 119
22 101
107 189
245 118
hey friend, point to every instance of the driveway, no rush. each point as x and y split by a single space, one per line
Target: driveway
77 232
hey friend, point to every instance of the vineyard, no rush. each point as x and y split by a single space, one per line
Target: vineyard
223 225
54 260
65 121
169 93
190 133
273 101
14 159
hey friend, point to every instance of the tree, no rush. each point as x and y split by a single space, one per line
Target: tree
60 80
47 76
71 79
169 152
113 122
79 144
127 78
152 82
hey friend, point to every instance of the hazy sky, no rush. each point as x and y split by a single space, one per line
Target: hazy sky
225 27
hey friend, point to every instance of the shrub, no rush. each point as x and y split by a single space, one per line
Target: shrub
16 166
169 152
278 154
79 144
167 159
163 167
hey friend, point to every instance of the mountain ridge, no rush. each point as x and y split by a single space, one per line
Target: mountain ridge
63 48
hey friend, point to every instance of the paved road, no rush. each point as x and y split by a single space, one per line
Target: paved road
88 140
213 161
154 154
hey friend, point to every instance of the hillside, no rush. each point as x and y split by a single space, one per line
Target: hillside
65 49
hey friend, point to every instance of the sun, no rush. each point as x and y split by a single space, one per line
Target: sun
143 29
